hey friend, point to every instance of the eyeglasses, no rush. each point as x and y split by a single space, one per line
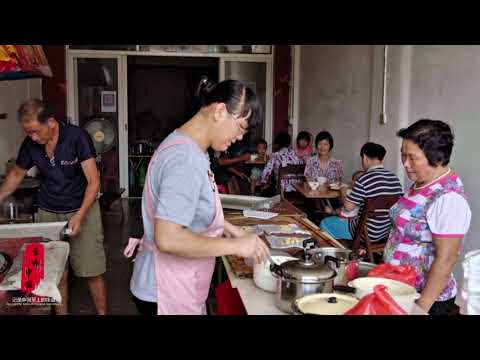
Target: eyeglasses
237 118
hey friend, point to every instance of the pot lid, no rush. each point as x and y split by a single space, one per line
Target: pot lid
325 304
307 270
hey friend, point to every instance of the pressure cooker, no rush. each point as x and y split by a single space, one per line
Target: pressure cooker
301 277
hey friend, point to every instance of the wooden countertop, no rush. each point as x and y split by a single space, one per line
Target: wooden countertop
322 238
284 208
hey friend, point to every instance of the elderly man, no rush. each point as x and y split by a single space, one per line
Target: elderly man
65 158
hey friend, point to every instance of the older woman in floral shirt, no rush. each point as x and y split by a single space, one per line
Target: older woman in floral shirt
283 157
323 165
432 218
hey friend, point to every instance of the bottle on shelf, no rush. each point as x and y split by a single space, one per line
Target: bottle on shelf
142 173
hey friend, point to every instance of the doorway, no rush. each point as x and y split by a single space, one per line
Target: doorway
161 98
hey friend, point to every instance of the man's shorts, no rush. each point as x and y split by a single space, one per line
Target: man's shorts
87 254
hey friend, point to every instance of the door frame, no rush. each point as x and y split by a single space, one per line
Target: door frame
122 103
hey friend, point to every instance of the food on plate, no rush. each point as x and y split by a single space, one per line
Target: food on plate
290 241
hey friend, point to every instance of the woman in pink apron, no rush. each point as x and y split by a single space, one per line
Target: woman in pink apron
183 218
432 218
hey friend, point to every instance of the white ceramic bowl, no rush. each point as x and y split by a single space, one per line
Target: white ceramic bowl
322 180
404 294
314 185
263 278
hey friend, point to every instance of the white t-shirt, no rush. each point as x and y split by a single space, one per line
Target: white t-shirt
443 219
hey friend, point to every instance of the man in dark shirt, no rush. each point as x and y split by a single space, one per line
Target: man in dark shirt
69 185
374 182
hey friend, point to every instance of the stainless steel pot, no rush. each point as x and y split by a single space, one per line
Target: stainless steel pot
301 277
344 266
263 278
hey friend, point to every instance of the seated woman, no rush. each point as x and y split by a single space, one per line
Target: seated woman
304 145
283 157
432 218
323 164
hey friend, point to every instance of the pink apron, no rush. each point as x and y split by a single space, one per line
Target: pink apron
182 283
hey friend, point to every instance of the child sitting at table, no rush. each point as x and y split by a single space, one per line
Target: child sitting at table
304 145
261 157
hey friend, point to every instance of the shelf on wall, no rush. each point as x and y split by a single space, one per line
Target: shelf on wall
18 75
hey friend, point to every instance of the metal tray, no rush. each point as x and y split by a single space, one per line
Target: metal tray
286 242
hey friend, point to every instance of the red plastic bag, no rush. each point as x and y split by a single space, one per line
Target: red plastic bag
228 300
351 270
222 189
402 273
379 302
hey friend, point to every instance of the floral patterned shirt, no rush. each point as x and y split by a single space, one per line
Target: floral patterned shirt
282 158
438 210
333 172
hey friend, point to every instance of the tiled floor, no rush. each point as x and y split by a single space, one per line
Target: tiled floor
119 269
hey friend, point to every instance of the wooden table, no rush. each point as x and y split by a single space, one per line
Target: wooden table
322 239
284 207
305 189
256 163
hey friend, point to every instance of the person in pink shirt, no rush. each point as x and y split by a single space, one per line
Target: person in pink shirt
304 145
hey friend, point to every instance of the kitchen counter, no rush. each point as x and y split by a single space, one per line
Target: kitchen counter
260 302
256 300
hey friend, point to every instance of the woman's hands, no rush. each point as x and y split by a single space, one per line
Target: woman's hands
251 246
248 244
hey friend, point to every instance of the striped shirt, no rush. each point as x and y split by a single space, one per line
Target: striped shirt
375 182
